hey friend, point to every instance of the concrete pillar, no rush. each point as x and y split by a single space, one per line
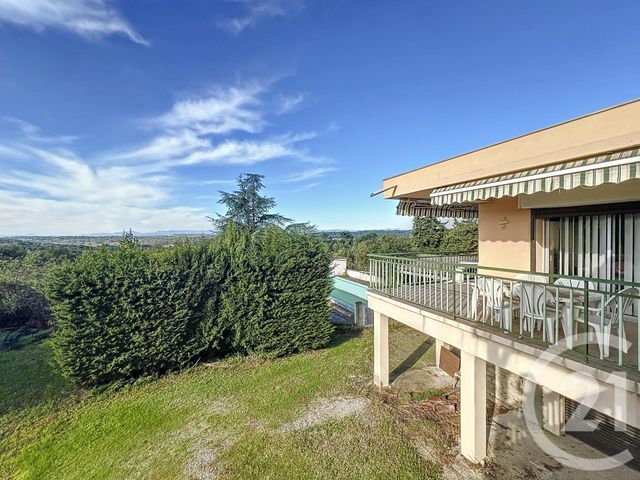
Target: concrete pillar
473 407
380 349
553 412
358 314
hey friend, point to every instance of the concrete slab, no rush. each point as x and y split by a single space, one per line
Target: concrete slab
514 454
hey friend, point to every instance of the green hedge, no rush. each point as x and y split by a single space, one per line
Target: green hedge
130 312
275 298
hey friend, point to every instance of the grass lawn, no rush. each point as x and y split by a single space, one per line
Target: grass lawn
234 419
28 377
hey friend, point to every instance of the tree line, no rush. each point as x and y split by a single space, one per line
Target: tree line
428 235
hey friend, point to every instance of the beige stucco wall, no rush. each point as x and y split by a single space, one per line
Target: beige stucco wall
508 245
612 129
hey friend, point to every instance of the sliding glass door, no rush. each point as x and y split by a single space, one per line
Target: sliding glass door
600 246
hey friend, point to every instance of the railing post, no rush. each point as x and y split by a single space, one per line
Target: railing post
621 334
586 319
638 331
601 326
532 325
586 326
455 281
557 316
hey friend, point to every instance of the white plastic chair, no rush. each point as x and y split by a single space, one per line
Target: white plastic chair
602 326
532 277
574 283
494 292
539 305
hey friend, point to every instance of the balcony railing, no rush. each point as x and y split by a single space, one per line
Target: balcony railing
590 317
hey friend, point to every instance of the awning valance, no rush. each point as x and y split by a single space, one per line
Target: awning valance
424 208
587 172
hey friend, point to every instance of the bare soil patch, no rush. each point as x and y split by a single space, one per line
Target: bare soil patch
327 409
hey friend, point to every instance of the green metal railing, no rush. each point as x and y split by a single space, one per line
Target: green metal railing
543 308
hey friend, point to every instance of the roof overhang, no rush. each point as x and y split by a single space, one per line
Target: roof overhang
584 173
614 129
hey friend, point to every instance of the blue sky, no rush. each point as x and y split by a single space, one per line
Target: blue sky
133 114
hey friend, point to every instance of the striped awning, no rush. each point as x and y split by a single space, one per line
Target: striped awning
424 208
587 172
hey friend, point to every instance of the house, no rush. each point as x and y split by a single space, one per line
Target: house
558 267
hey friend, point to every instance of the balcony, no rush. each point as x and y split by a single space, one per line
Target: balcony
594 320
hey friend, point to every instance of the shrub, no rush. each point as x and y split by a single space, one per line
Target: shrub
463 237
22 285
128 312
22 306
381 245
427 234
275 298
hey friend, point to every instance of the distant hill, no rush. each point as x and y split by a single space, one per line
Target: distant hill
152 239
159 233
358 233
178 233
158 238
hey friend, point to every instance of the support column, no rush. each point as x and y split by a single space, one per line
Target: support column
553 412
473 407
380 349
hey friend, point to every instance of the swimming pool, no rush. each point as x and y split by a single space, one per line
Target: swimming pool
350 301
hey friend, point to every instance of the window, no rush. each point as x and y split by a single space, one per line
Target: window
603 246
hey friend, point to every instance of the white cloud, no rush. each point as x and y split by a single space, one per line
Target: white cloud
169 145
254 11
232 152
309 174
289 103
12 152
63 194
88 18
196 130
221 111
25 214
218 182
33 133
62 175
46 187
306 187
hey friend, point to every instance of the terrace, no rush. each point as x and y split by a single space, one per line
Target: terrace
581 314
